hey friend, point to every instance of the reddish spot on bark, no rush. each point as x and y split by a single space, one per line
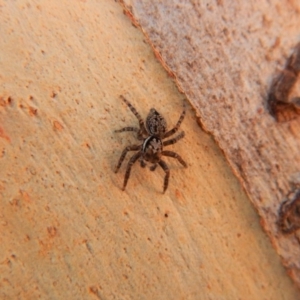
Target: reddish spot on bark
4 135
87 145
32 111
57 126
15 202
52 231
25 196
178 194
2 102
5 102
260 110
95 290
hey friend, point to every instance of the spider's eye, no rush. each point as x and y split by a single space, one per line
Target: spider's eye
155 123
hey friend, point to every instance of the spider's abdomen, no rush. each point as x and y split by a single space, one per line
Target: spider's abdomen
152 148
155 123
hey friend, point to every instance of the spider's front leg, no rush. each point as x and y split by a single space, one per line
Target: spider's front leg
175 129
135 129
122 157
142 129
174 140
167 171
132 160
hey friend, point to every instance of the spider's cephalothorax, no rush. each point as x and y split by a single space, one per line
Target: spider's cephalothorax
155 123
151 150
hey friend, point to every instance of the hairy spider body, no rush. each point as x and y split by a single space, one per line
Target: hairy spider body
152 149
153 132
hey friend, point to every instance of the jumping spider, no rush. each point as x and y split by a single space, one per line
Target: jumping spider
152 133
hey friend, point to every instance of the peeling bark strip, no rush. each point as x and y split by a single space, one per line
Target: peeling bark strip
289 214
219 56
280 106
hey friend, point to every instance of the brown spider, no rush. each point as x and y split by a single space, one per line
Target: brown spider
151 150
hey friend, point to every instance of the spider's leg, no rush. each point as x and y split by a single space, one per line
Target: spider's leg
128 148
128 129
174 155
134 111
153 167
167 171
175 129
143 164
132 160
174 140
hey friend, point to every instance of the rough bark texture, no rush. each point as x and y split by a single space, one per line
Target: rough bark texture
67 231
224 55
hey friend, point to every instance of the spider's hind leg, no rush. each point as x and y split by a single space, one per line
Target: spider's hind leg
167 171
175 155
133 110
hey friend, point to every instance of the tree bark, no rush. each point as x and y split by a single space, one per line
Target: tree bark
68 231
